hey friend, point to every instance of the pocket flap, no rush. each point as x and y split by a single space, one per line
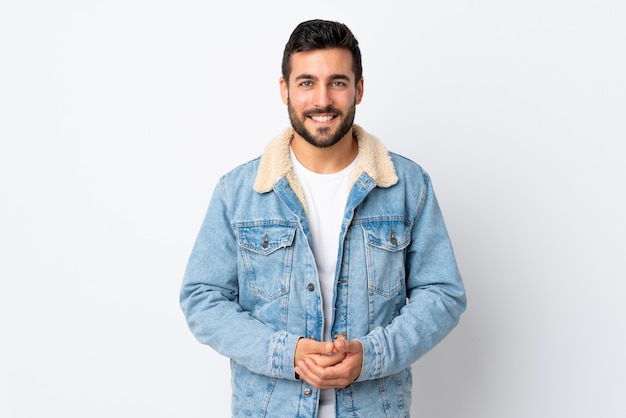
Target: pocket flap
265 239
388 235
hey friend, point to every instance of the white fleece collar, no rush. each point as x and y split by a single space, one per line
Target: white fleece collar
372 159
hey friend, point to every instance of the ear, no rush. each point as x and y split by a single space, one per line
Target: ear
359 91
284 90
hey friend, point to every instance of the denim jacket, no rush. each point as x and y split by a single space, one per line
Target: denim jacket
251 289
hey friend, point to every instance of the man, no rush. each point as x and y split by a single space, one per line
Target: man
322 269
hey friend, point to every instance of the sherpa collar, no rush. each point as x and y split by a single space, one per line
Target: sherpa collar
372 159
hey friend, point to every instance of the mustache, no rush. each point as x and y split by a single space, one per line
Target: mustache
326 110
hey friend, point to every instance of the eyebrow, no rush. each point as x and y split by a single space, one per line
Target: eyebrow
332 77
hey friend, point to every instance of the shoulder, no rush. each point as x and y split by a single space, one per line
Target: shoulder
242 171
408 169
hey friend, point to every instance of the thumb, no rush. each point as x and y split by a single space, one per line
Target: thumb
347 346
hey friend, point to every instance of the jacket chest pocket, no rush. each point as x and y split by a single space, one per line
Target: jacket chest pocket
267 257
385 242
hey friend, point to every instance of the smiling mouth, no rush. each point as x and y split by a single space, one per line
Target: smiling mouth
322 118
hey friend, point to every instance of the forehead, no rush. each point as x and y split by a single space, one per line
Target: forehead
322 63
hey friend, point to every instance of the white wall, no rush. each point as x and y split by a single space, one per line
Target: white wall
117 117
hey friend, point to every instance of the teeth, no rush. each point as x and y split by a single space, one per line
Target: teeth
321 118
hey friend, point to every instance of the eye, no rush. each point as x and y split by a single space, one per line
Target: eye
306 83
338 84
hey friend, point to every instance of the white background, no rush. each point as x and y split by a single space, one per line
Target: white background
117 118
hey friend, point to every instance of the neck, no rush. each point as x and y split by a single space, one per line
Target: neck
325 160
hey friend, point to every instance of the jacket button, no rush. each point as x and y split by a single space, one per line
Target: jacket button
307 392
311 287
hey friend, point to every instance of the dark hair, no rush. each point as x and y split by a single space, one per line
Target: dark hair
321 34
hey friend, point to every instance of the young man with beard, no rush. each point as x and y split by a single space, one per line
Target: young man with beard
323 269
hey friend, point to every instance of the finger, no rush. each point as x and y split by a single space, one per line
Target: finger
324 383
307 347
311 373
327 360
311 346
348 346
338 376
345 372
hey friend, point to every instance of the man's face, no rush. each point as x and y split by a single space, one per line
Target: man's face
322 95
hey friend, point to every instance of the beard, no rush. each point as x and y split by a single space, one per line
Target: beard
322 137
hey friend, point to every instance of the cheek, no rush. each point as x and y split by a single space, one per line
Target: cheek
344 103
300 101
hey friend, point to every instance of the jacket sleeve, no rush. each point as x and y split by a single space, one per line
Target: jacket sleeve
209 300
435 293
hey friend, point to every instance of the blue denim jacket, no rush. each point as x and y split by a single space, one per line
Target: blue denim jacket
251 289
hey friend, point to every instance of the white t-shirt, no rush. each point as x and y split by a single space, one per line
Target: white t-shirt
326 196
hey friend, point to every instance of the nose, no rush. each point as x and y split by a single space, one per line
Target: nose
322 96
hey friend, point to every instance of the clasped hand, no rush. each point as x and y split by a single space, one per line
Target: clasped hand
328 365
